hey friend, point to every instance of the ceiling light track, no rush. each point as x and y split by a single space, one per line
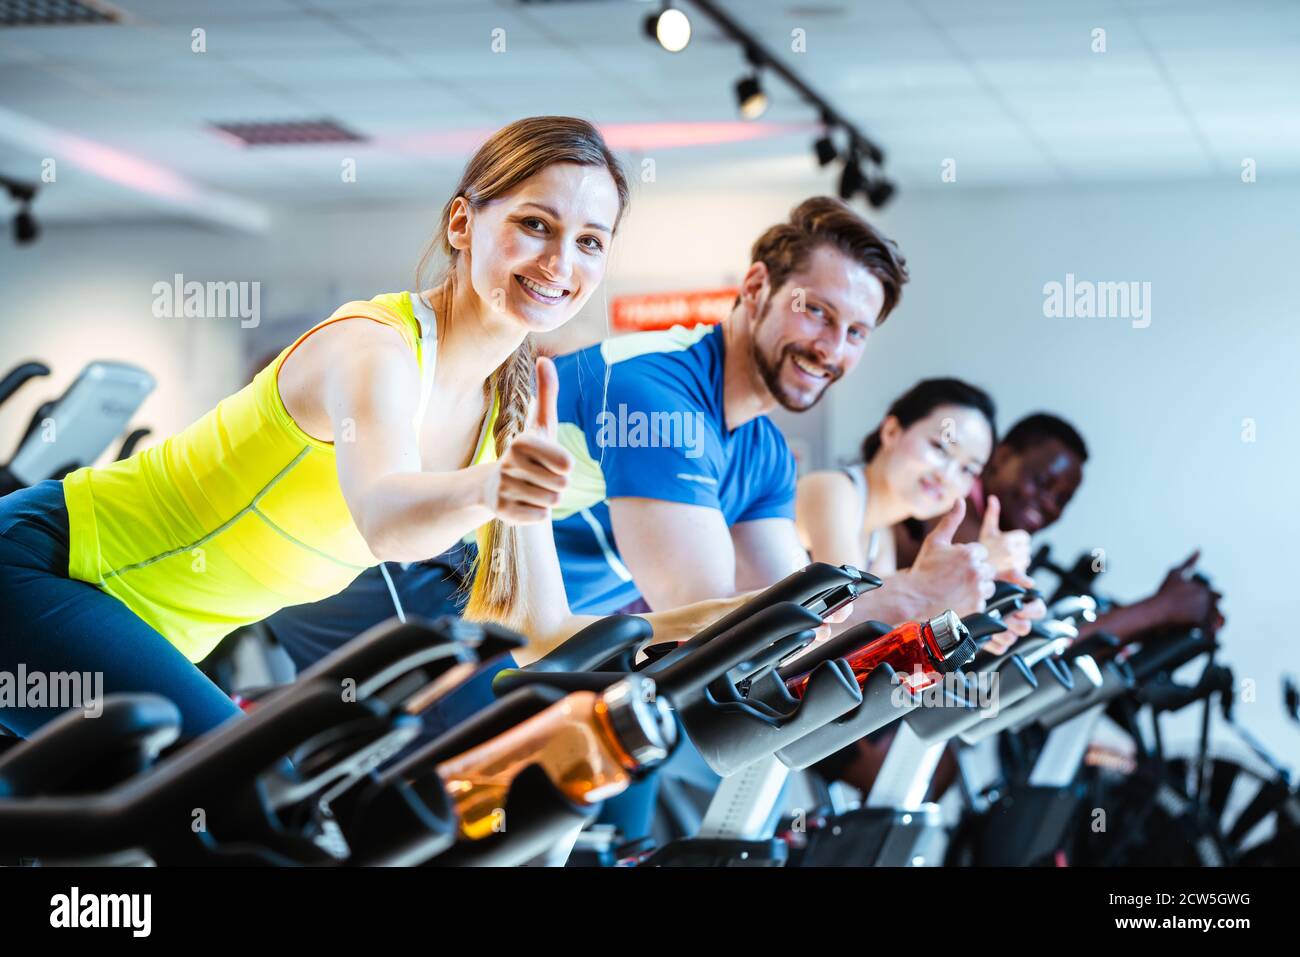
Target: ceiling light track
752 101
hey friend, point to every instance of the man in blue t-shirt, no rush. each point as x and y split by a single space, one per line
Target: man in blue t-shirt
658 435
683 489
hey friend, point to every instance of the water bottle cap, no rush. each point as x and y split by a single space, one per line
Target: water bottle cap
953 641
641 719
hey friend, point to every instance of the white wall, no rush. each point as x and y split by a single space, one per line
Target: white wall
1162 407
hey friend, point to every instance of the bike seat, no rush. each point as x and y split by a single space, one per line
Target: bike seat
76 754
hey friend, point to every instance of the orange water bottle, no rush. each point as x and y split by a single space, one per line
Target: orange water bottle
921 652
591 746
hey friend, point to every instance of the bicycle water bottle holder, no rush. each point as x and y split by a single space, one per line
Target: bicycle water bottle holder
884 699
987 692
417 821
1116 679
731 731
1054 682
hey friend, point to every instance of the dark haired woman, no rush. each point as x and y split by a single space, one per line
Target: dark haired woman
920 463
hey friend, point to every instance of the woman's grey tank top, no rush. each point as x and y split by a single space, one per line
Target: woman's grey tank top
859 480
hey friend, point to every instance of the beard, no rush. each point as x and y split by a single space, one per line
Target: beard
770 371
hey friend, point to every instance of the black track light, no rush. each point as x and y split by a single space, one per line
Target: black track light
879 192
851 180
750 97
25 228
825 150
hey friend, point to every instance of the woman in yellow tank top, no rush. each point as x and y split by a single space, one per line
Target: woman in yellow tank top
373 437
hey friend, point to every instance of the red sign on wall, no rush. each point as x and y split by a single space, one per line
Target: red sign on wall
663 310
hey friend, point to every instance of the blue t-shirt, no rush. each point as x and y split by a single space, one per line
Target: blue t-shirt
657 430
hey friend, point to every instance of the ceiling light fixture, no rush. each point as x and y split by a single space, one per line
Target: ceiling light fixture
670 27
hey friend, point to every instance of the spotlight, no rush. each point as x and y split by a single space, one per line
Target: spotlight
750 97
825 150
879 192
670 28
25 228
851 180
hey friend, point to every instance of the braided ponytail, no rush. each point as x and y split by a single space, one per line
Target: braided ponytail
496 570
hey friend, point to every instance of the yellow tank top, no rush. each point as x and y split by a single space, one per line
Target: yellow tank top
240 514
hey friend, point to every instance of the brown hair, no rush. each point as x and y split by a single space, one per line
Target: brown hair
510 156
826 221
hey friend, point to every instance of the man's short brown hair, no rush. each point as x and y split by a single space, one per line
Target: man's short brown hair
826 221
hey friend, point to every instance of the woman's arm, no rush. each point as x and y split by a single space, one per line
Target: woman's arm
828 515
367 384
886 560
1179 601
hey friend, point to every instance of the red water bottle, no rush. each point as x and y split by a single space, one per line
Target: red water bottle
921 652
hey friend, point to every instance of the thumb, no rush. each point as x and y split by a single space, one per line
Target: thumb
545 415
992 514
948 525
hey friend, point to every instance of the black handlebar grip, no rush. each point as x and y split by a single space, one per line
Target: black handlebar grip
71 753
710 660
18 375
510 679
379 653
982 627
1169 654
808 585
598 642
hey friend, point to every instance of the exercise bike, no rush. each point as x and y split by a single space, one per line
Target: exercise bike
1203 810
75 429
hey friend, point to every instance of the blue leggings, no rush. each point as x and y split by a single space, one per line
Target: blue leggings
52 623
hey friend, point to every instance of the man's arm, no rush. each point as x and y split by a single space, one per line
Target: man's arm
544 614
1179 601
677 553
767 550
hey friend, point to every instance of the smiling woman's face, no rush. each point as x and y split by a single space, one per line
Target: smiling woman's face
538 252
934 462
